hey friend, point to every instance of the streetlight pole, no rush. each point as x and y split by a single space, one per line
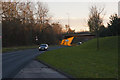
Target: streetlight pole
68 18
68 22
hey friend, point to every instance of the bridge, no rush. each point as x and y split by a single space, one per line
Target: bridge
70 39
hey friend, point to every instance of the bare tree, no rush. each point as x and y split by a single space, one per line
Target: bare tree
42 12
0 11
23 21
57 28
95 21
25 12
9 11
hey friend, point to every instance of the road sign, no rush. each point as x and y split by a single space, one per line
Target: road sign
66 40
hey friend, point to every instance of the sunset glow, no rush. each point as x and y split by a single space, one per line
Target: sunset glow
78 12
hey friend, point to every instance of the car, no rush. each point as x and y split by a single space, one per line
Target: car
43 47
79 43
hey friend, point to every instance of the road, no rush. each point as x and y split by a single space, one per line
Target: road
13 62
35 69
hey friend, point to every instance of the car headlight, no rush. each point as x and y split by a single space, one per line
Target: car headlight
39 47
45 47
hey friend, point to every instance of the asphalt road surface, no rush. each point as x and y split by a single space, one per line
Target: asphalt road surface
13 62
35 69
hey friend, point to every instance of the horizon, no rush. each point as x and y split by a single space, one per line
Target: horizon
78 13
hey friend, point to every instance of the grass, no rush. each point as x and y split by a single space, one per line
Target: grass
85 61
11 49
17 48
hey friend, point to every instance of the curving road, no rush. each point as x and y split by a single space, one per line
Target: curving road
13 62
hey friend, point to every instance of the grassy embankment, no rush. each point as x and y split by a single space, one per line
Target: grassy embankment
85 61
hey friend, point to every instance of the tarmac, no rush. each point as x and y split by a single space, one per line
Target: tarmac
36 69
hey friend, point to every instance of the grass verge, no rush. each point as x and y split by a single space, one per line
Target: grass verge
10 49
85 61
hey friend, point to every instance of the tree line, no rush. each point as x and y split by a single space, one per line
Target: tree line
23 22
28 23
113 27
96 26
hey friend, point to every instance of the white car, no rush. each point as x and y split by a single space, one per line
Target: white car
43 47
79 43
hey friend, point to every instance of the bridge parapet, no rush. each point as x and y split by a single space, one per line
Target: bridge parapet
69 39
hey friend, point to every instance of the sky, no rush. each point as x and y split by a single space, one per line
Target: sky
76 13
